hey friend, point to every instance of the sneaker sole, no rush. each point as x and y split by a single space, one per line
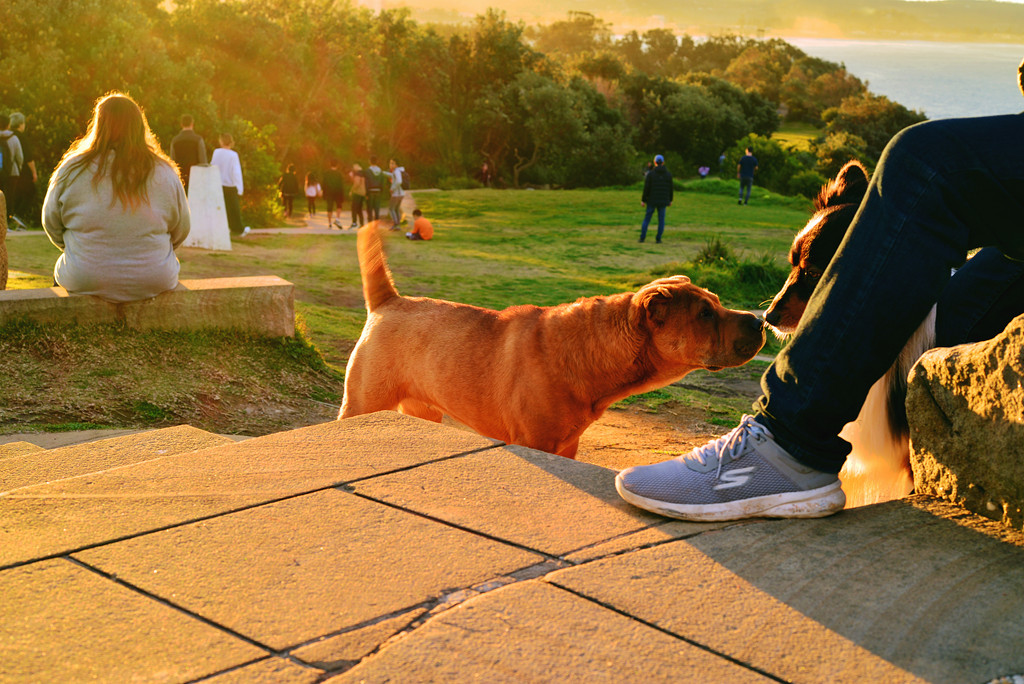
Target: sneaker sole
812 503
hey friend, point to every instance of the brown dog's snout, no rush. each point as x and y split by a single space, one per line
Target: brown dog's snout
751 337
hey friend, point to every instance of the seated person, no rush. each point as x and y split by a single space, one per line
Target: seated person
116 208
422 229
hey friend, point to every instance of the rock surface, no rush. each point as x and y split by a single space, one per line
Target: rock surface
965 405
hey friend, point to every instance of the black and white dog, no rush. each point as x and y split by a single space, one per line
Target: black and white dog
878 467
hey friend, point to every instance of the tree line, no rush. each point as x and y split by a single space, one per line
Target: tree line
566 104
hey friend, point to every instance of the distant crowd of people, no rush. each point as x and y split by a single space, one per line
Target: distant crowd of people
367 188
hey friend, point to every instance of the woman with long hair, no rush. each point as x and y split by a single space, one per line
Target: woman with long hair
116 208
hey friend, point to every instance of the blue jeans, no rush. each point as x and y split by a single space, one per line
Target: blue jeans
746 184
941 188
647 220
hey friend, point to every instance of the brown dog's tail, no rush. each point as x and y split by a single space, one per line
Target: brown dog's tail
378 287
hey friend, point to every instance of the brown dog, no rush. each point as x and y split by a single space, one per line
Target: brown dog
531 375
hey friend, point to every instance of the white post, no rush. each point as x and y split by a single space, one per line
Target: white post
206 203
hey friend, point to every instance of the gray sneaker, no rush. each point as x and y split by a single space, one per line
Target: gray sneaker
743 474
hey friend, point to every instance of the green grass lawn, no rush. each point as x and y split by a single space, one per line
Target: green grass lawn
497 248
797 135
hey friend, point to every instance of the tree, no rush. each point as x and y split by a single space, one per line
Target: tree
873 118
582 33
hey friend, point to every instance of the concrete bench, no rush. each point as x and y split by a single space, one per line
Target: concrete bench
260 305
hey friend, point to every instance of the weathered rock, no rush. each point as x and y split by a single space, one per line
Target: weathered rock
965 405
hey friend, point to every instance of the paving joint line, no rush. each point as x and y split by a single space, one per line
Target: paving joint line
170 604
339 486
668 632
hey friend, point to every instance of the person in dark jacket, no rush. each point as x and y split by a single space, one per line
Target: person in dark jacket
188 149
658 195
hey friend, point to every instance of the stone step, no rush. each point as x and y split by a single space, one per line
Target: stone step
386 548
18 449
261 305
26 464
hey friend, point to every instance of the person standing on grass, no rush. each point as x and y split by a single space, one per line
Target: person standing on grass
187 149
396 191
313 191
745 171
288 186
358 195
334 193
374 183
226 159
658 195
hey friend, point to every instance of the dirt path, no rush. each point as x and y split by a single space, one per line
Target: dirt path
627 437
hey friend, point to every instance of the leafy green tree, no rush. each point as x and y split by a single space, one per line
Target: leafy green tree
581 33
835 149
873 118
70 53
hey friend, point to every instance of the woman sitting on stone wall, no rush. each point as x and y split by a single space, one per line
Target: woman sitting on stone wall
116 208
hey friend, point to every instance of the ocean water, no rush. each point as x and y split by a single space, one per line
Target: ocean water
942 80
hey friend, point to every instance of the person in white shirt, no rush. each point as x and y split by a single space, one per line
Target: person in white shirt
226 159
395 173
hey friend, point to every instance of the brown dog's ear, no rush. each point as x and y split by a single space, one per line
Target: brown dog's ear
849 187
652 299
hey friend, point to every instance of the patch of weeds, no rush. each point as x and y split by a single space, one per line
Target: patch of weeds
648 401
151 413
715 249
325 395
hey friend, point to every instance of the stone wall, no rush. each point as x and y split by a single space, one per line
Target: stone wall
965 405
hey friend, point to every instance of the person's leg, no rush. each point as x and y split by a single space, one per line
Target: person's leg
357 211
981 299
648 213
941 188
232 209
393 205
661 222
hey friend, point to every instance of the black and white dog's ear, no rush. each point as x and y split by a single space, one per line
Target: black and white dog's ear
849 187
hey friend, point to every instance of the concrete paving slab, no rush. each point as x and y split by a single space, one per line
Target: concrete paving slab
677 588
64 623
268 671
888 592
50 519
286 573
649 536
540 633
342 651
80 459
544 502
12 449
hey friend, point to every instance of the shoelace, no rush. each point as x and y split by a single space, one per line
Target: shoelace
732 443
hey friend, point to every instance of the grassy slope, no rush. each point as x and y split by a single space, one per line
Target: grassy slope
493 248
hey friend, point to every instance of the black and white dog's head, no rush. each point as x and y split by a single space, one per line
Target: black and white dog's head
815 245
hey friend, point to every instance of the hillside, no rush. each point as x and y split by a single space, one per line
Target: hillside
945 20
